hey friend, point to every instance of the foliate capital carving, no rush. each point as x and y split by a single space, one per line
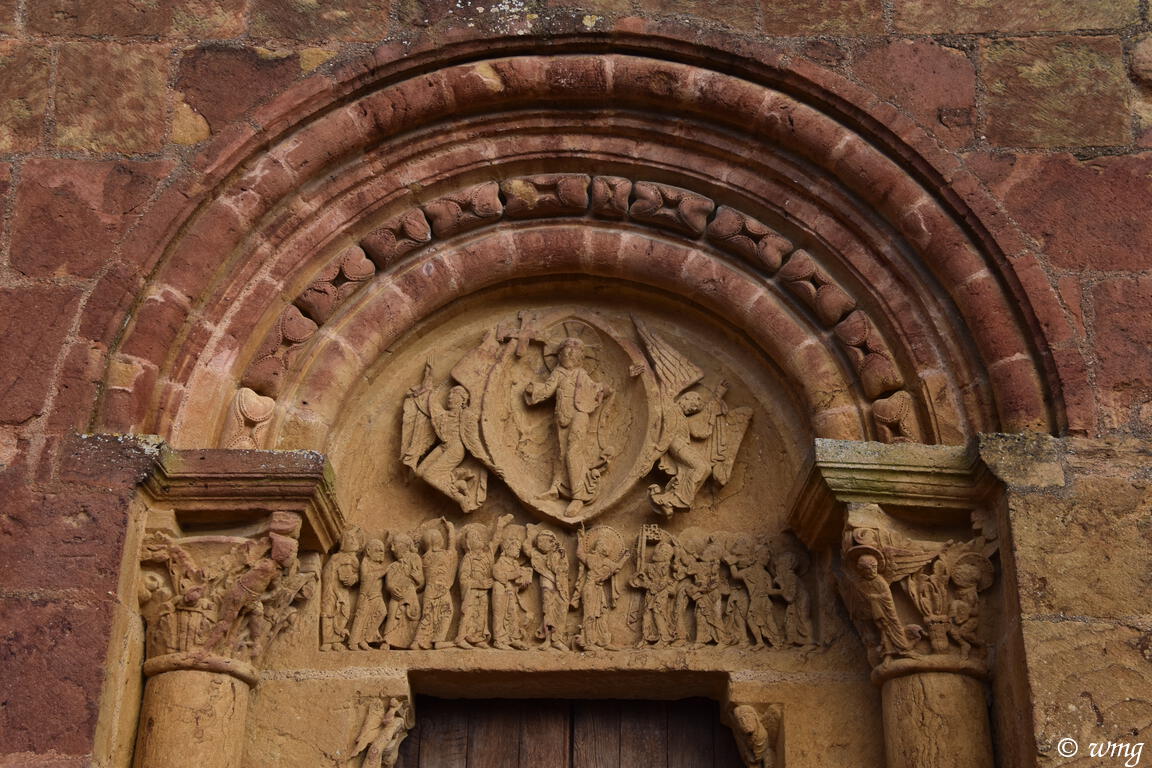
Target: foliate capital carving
223 597
917 603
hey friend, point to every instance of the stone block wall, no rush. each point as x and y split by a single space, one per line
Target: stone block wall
104 102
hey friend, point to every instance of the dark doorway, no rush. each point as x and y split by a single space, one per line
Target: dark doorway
557 733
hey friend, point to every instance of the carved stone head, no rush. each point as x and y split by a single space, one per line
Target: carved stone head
691 403
571 352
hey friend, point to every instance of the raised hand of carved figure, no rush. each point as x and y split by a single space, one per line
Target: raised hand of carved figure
577 398
699 435
441 559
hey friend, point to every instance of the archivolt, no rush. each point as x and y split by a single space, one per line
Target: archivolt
867 273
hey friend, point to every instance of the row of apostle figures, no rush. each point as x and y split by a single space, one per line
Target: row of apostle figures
509 586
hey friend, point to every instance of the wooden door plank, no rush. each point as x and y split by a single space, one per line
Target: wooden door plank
726 751
596 734
690 737
494 734
546 727
643 733
444 733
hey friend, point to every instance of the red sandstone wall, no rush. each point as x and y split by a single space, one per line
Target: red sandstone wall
102 100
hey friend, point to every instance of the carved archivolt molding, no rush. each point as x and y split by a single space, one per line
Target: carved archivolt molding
681 211
892 229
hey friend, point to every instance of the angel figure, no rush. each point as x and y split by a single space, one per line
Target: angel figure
871 583
578 399
385 728
699 434
447 467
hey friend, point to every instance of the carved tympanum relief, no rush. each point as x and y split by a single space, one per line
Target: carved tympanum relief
507 585
915 602
570 413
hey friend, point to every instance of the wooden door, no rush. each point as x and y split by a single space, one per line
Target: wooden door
554 733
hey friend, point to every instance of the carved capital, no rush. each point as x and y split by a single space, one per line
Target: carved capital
757 731
216 602
917 602
386 724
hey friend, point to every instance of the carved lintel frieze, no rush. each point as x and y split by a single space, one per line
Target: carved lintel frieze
917 603
509 586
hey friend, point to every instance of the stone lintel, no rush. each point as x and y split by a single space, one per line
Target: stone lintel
923 483
236 487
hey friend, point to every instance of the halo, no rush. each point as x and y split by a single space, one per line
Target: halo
571 329
616 542
985 572
853 555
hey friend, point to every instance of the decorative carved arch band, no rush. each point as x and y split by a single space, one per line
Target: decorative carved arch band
863 233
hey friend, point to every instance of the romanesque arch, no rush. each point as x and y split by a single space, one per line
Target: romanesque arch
771 207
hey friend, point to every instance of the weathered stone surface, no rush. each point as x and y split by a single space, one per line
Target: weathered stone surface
1088 681
70 213
738 15
936 84
1049 193
1041 89
952 16
53 654
320 20
1123 312
33 323
1141 61
24 74
123 109
221 83
819 17
7 16
194 18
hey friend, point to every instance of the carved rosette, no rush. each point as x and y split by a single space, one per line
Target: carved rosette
216 602
917 603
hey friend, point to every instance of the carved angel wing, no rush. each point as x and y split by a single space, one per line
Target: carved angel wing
470 434
373 722
674 371
417 435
